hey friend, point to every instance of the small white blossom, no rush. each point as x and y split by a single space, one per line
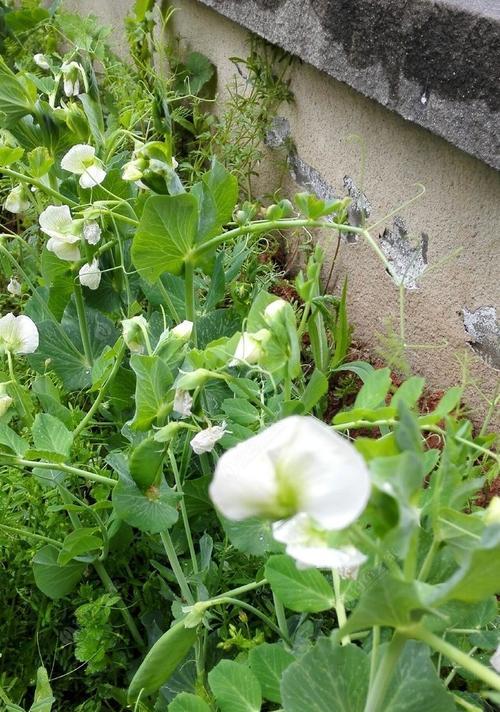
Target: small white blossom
183 330
183 403
17 200
14 287
495 660
72 72
133 333
249 348
308 545
5 403
92 232
297 465
18 334
81 160
90 275
41 61
205 440
273 309
133 170
57 223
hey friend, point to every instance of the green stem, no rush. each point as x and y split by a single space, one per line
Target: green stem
25 415
38 183
303 321
82 322
383 676
32 535
256 612
102 392
241 589
90 476
184 514
429 558
168 301
339 605
280 617
485 674
189 297
410 562
176 567
374 653
111 588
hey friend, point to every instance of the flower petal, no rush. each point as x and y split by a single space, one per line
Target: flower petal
27 335
64 249
205 440
77 158
92 176
90 275
56 220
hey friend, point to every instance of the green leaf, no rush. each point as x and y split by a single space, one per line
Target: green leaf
407 431
415 685
235 687
17 98
268 662
152 512
146 463
300 590
374 390
252 536
315 390
51 435
328 678
162 660
458 529
77 543
153 380
409 392
222 187
241 411
40 162
448 402
215 324
54 580
44 699
479 575
363 369
11 440
186 702
166 234
10 155
22 20
389 602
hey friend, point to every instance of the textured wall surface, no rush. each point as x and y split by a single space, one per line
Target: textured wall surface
445 246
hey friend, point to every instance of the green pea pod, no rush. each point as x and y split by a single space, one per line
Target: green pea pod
146 463
162 660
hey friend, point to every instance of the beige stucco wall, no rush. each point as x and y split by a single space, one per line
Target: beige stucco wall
460 211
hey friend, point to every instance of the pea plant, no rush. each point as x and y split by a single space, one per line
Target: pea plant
238 546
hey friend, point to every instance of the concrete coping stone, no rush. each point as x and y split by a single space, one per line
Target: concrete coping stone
434 62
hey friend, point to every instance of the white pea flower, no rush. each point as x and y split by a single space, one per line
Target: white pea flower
57 223
495 660
308 545
183 330
296 465
133 170
249 347
92 232
81 160
273 309
133 333
17 200
183 403
5 403
72 72
205 440
41 61
14 287
18 334
90 274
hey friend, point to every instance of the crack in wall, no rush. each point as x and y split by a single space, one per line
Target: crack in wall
408 257
483 328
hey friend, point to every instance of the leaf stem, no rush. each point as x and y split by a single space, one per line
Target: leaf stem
111 588
385 671
91 476
339 605
176 567
184 514
189 296
82 322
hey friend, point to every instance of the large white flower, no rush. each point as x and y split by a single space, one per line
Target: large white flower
81 160
296 465
57 223
18 334
205 440
17 200
249 347
90 274
308 545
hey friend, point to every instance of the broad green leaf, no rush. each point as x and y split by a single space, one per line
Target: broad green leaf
152 386
300 590
167 231
146 463
370 415
215 324
40 162
44 699
186 702
328 678
388 602
241 411
235 687
407 431
268 662
54 580
11 440
448 402
251 536
17 98
316 388
22 20
409 392
374 389
479 575
162 660
222 186
152 511
10 155
363 369
459 529
415 685
48 395
80 542
51 435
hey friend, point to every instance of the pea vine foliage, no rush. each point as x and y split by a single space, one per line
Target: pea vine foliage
208 408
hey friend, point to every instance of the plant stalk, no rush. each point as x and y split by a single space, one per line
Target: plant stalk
82 322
